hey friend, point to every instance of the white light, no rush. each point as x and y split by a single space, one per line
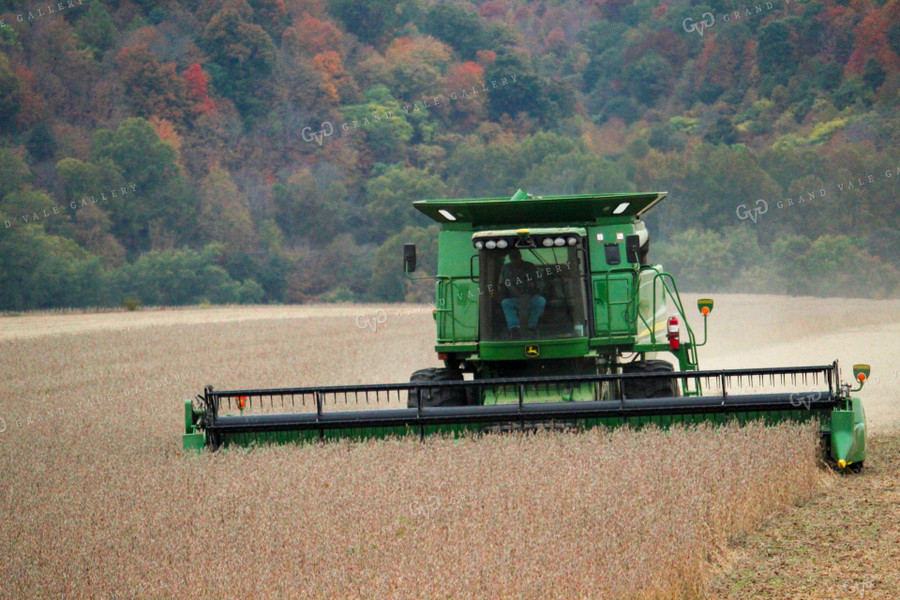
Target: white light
620 236
547 242
502 244
572 241
479 244
447 215
559 242
490 244
621 208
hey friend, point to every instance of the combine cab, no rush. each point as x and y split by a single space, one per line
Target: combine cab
551 317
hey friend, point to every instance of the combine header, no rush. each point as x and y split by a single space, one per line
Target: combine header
550 316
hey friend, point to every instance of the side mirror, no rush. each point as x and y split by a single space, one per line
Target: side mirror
409 258
633 249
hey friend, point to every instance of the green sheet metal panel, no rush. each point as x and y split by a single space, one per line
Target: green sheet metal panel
539 210
457 314
614 311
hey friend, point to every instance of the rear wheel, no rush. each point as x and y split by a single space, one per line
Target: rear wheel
437 396
649 387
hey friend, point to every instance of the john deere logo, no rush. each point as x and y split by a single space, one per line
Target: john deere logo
532 350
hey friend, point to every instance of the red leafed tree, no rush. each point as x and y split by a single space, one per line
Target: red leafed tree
32 104
330 66
556 41
312 36
492 9
464 74
871 39
470 109
197 82
153 88
271 15
485 57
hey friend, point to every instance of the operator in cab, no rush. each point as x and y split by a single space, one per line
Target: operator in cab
519 283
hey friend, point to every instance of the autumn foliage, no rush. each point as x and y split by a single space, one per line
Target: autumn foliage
555 97
197 82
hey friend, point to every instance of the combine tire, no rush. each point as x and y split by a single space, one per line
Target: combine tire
448 396
655 387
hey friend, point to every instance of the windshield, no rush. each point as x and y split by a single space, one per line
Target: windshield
532 293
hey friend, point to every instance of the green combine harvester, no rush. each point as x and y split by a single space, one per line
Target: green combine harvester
549 317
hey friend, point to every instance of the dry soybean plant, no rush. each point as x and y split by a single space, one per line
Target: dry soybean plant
103 504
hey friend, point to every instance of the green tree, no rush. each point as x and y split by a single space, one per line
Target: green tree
699 260
391 196
339 271
92 232
834 266
721 132
577 173
41 143
647 78
389 282
29 206
306 210
463 30
14 171
173 277
39 270
82 179
224 215
524 95
775 51
10 93
95 26
373 21
243 56
382 124
160 211
874 74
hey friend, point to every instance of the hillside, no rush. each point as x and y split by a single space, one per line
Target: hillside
174 153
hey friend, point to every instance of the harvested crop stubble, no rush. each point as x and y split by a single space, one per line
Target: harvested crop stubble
618 514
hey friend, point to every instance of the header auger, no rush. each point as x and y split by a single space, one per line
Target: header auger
549 315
